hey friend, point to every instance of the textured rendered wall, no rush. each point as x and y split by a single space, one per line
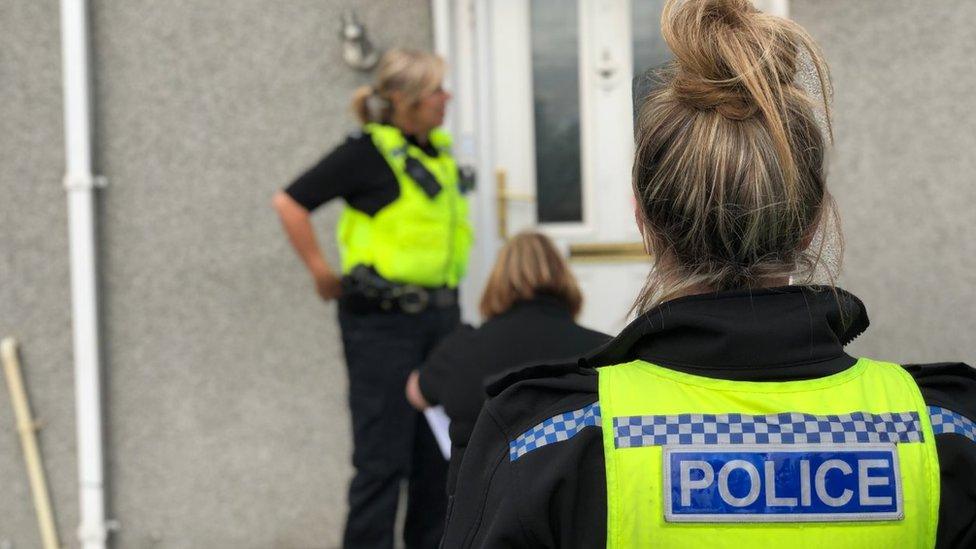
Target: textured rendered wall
903 168
34 295
225 388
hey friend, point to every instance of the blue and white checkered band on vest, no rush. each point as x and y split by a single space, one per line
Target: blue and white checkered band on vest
793 428
785 428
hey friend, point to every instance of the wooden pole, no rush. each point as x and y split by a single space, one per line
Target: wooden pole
28 440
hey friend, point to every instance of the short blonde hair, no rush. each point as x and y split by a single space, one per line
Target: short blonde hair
415 73
527 266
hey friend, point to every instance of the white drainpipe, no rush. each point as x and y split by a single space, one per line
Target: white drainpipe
80 184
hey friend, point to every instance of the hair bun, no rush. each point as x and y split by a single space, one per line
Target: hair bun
729 56
730 101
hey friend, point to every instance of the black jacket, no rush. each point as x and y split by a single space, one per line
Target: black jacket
555 496
530 332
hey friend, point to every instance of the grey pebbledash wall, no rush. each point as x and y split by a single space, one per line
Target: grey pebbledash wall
903 168
224 384
34 294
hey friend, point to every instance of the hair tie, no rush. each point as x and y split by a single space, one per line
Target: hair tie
376 105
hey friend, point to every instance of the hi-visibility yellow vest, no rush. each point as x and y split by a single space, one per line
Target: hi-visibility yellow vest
416 239
847 460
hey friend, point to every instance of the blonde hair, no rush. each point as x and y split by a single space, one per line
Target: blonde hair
527 266
729 169
414 73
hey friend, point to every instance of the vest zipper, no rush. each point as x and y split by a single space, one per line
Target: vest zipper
451 227
451 231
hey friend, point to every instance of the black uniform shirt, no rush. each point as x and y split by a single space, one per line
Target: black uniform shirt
354 171
530 332
556 495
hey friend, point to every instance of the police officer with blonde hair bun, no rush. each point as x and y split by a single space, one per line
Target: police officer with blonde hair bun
728 413
403 238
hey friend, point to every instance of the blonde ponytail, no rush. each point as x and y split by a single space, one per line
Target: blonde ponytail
358 104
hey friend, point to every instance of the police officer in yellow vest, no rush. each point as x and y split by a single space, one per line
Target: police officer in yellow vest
727 414
403 238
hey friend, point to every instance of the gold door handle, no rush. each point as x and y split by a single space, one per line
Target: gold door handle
502 197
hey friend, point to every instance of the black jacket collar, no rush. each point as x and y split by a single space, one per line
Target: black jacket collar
542 303
773 334
793 332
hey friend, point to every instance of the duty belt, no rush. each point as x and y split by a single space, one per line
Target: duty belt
414 299
364 289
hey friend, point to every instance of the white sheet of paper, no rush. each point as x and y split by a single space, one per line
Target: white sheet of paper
439 422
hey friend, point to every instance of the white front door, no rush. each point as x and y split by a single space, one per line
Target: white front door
544 111
562 135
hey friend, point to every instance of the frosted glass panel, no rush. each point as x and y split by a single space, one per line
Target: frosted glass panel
649 47
556 107
650 50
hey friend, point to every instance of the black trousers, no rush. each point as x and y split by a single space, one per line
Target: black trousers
391 440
